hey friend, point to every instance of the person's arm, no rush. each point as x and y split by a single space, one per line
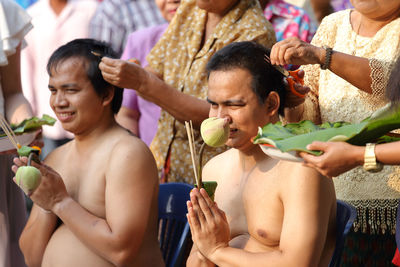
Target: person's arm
295 51
17 107
129 119
129 179
307 203
322 8
340 157
182 106
36 234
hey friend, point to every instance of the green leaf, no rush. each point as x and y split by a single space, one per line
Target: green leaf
296 136
31 124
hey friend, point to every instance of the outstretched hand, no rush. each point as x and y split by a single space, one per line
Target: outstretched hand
208 224
51 189
337 157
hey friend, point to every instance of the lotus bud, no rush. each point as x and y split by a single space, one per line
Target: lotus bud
215 131
28 178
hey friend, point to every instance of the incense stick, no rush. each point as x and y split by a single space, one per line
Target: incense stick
191 147
8 131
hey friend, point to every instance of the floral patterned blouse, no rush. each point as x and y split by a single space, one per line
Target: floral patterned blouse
180 60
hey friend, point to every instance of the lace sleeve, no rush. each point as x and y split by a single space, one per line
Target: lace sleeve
380 72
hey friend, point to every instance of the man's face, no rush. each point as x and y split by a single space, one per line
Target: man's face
231 96
73 99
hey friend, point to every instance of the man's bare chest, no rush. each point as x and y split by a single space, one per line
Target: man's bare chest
86 184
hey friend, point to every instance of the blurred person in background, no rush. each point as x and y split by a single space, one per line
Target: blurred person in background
114 20
288 20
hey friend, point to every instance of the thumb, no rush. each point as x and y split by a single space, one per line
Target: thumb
317 145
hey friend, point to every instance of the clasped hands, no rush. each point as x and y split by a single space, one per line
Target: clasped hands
51 190
208 224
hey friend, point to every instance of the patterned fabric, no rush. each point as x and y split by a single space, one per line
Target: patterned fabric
289 20
114 20
334 99
179 58
368 250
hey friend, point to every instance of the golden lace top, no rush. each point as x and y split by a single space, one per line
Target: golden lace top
179 58
334 99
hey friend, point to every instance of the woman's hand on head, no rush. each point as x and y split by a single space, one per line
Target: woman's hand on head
122 73
296 52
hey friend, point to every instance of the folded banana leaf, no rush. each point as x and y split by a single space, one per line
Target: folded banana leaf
31 124
296 136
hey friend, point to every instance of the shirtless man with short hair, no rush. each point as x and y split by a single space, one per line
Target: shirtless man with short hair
267 212
97 201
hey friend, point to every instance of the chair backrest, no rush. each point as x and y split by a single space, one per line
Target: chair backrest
172 221
345 216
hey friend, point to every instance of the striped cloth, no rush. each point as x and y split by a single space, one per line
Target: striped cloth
114 20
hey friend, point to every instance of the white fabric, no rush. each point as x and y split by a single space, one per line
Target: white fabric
14 25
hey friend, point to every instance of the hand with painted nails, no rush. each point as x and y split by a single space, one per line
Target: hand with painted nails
208 224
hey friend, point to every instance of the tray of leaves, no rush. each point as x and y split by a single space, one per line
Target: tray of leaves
287 140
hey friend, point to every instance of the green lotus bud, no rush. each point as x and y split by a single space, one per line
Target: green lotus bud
28 178
215 131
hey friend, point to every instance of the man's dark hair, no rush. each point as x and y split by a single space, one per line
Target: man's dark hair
250 56
393 87
82 48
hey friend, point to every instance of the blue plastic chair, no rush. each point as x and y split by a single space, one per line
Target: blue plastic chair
173 226
345 216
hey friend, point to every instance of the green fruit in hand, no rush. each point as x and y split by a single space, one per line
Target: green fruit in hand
215 131
28 178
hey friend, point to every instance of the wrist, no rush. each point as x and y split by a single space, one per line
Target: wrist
321 53
359 155
216 256
60 205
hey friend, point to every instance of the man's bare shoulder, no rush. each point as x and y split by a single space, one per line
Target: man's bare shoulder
57 154
294 177
132 154
215 166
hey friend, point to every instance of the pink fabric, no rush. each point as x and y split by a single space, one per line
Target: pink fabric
289 20
139 44
50 32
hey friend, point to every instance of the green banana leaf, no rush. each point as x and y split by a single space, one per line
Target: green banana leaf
31 124
296 136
